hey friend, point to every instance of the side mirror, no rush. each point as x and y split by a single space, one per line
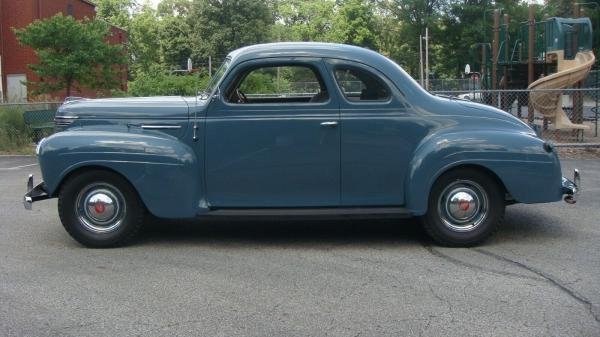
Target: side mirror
217 94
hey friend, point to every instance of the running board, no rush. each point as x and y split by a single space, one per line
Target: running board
395 212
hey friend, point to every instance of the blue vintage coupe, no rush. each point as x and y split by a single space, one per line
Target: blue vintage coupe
294 129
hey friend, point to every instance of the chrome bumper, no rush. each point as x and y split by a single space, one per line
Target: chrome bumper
571 188
34 194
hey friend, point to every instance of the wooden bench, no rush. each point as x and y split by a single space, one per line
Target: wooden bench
39 121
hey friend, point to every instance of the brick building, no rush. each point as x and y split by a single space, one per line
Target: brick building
14 58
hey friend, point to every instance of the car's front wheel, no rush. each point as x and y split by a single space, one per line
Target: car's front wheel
100 209
465 207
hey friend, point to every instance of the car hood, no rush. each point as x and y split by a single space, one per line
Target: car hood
167 107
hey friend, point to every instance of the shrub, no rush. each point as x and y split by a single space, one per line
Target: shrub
14 134
158 82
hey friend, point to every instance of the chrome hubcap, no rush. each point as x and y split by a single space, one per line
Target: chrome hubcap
100 207
463 205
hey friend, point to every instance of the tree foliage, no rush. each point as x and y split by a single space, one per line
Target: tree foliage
299 20
221 26
158 81
144 41
72 53
179 29
116 12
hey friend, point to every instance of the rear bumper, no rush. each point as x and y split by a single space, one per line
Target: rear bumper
34 194
570 189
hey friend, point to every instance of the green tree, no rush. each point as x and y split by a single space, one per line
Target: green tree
115 12
144 41
464 31
175 32
72 53
221 26
179 8
412 17
301 20
355 24
562 8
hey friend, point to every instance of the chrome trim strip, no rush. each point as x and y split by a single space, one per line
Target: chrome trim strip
159 127
38 147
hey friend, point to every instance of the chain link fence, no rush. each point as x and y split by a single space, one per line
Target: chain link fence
24 124
458 84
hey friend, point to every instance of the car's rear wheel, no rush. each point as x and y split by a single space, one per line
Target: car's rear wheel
465 207
100 209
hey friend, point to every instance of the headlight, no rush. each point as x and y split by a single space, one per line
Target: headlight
62 122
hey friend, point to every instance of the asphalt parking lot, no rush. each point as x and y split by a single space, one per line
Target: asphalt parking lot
538 276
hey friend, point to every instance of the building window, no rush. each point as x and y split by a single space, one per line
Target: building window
70 8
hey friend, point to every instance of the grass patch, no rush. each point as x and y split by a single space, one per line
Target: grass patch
25 150
15 136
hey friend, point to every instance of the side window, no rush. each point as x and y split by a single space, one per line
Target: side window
278 84
359 85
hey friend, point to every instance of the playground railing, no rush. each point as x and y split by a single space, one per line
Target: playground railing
581 105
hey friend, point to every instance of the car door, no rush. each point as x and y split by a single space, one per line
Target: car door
272 137
379 133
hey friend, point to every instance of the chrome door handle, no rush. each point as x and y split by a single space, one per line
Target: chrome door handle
330 124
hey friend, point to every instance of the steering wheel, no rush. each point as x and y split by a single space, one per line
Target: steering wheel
241 96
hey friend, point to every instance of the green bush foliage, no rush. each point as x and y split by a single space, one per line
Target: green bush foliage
14 134
159 82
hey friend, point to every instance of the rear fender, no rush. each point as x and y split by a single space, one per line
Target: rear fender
529 173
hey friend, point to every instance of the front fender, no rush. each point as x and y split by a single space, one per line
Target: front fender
164 171
529 173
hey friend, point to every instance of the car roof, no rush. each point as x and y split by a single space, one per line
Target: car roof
307 49
393 71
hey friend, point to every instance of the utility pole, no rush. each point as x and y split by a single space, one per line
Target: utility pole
505 99
421 59
426 58
210 67
495 48
506 50
530 51
577 97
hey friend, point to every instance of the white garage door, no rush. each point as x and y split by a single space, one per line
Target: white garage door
16 90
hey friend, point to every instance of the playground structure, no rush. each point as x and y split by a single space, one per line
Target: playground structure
569 73
543 57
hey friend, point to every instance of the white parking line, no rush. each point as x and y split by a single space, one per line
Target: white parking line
16 167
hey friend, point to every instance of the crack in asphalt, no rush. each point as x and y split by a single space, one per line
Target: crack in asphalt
461 263
542 275
571 292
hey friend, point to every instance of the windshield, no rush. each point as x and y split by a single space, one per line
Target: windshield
216 78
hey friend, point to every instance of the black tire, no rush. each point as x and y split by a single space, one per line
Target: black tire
90 190
453 197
